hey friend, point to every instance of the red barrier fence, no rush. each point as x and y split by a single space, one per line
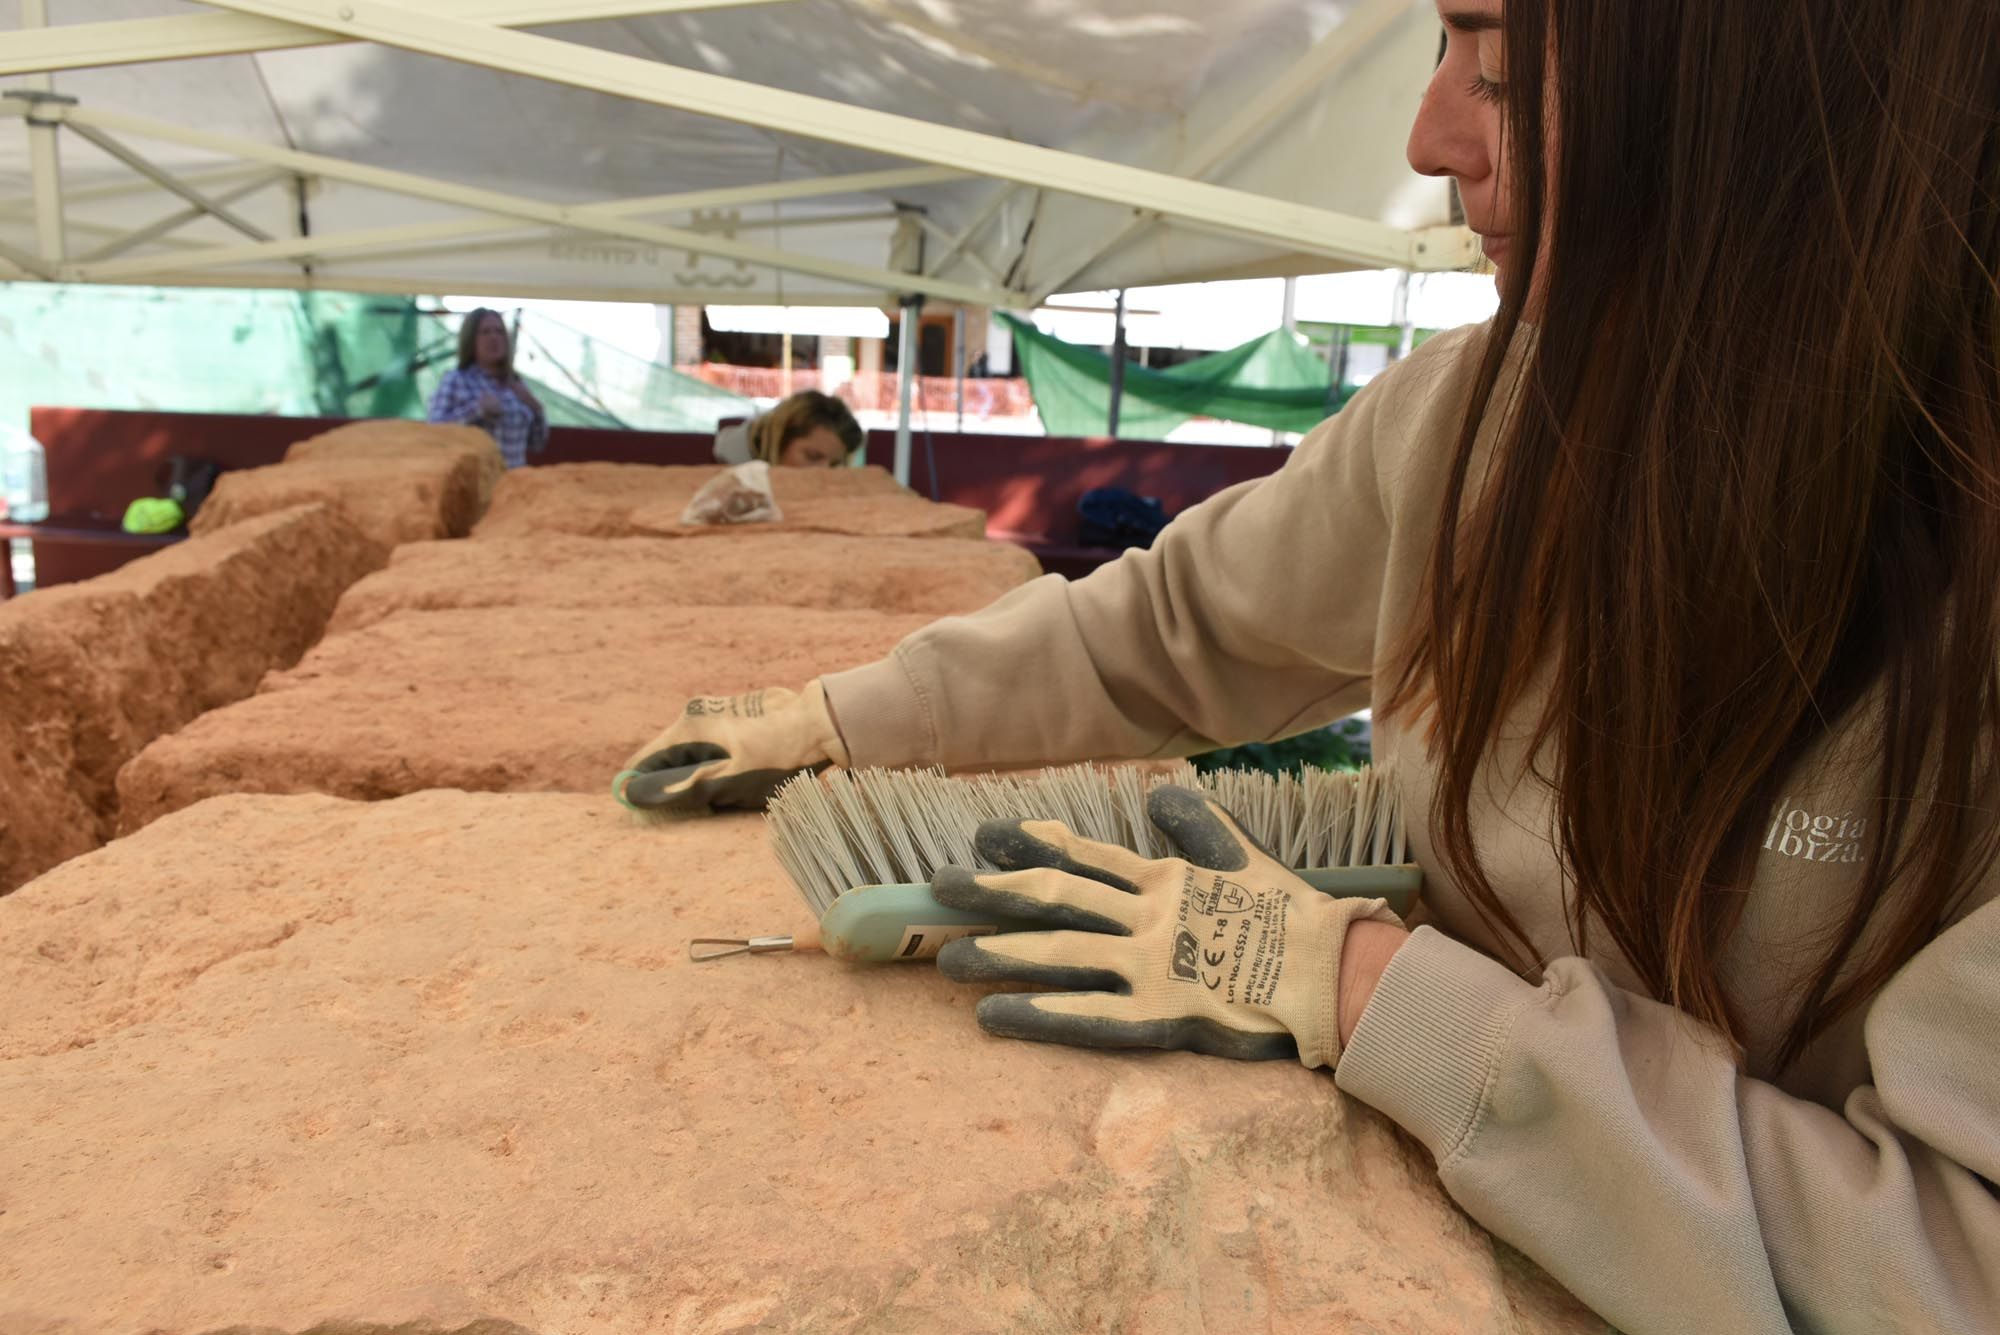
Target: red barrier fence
99 460
876 391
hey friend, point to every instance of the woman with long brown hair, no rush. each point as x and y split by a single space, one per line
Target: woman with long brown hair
1675 593
484 391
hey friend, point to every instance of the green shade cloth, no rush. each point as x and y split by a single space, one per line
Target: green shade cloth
1275 381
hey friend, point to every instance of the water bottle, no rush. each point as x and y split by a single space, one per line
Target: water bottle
24 480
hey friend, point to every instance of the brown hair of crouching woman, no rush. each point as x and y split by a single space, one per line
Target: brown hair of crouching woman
807 423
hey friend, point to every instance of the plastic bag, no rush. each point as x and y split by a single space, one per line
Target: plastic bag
739 495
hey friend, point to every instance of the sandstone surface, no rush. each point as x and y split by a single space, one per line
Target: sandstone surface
821 570
643 500
295 1063
393 499
493 699
91 672
396 438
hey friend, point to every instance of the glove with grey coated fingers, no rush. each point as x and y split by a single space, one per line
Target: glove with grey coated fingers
731 751
1223 950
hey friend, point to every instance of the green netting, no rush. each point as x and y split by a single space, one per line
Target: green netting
330 354
1274 381
151 348
593 383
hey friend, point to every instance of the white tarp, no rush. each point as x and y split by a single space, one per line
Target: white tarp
1127 81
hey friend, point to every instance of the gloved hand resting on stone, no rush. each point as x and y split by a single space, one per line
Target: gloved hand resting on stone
731 751
1222 950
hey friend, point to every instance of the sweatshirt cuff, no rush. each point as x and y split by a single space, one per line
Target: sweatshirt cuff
1426 1047
881 714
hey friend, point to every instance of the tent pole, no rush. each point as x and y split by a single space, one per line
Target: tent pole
1288 320
170 183
1117 362
44 160
1400 315
906 374
958 357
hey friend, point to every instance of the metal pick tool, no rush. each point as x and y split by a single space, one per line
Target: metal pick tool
754 945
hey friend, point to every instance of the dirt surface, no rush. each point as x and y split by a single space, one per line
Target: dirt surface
59 730
92 672
293 1063
494 699
641 500
394 438
391 499
819 570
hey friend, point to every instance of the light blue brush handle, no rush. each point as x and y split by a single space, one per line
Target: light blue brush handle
876 924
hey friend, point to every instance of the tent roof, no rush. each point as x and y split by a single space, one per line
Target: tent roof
766 151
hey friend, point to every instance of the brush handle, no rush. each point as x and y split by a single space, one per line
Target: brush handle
1399 883
878 924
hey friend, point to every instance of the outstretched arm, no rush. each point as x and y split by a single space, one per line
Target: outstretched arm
1255 615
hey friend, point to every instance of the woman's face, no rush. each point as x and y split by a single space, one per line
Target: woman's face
1457 131
491 344
817 448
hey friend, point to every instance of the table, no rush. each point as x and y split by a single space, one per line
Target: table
92 529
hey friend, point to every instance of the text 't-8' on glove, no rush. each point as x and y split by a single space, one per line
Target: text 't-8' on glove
1222 950
731 751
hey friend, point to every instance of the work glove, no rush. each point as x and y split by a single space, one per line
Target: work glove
732 751
1222 950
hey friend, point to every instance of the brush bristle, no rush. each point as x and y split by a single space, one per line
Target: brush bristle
835 831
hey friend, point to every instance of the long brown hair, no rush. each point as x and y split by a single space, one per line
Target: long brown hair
797 416
468 341
1745 488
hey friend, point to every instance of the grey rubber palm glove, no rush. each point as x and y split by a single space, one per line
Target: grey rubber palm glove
1222 951
731 751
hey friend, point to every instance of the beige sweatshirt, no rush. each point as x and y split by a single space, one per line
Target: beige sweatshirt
1604 1134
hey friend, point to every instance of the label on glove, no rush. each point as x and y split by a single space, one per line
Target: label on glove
727 706
1231 938
923 941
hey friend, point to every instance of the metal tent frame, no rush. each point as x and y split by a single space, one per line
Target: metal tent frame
483 32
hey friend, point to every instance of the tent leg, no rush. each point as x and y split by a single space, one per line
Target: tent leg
1288 320
906 375
958 359
44 160
1400 315
1117 363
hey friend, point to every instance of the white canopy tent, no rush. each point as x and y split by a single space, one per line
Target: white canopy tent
772 152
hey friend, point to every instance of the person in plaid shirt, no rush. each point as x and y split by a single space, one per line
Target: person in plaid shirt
485 392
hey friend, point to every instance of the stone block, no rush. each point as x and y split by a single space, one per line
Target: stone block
395 438
817 570
489 699
643 500
93 671
392 499
296 1064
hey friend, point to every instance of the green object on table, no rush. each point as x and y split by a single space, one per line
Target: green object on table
153 514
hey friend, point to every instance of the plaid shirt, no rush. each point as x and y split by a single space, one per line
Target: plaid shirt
520 429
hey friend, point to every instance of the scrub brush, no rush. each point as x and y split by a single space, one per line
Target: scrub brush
861 846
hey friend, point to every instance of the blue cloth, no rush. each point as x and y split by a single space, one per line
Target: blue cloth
519 429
